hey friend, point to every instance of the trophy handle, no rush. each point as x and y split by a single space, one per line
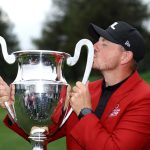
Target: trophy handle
10 59
11 112
73 60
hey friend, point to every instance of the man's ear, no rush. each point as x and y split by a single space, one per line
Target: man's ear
126 57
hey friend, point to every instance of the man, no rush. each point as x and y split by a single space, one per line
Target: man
112 113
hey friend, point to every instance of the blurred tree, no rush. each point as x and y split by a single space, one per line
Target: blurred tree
8 72
72 18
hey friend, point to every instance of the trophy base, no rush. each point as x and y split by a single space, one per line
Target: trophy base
37 139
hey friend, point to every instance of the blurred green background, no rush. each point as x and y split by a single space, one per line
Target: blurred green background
10 140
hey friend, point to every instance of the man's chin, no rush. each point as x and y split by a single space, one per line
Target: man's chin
95 68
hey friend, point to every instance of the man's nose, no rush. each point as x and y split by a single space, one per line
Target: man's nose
96 47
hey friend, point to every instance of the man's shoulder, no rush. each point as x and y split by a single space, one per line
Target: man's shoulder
140 92
143 87
137 83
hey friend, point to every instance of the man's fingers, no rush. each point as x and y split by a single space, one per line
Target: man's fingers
87 84
68 88
12 92
79 84
12 86
3 100
2 82
67 97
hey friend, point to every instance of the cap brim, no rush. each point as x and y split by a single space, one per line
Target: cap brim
96 32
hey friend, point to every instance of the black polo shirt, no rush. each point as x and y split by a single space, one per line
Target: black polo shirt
106 94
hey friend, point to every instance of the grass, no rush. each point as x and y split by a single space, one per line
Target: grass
10 140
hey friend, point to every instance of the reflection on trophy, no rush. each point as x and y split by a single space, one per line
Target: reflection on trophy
40 88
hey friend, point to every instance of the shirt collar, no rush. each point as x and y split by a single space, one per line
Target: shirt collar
113 87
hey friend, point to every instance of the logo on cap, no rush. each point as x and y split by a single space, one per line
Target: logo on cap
127 43
113 25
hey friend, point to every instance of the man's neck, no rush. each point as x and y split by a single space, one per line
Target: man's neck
112 77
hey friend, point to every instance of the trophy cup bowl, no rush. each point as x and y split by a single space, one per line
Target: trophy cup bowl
40 89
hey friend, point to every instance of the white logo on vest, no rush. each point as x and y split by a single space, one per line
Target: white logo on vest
115 111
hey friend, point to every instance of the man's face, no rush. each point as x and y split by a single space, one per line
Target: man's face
107 55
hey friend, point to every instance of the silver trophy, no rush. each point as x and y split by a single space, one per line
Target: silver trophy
40 89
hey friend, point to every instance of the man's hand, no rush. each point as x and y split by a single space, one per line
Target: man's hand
80 97
4 92
12 94
67 98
